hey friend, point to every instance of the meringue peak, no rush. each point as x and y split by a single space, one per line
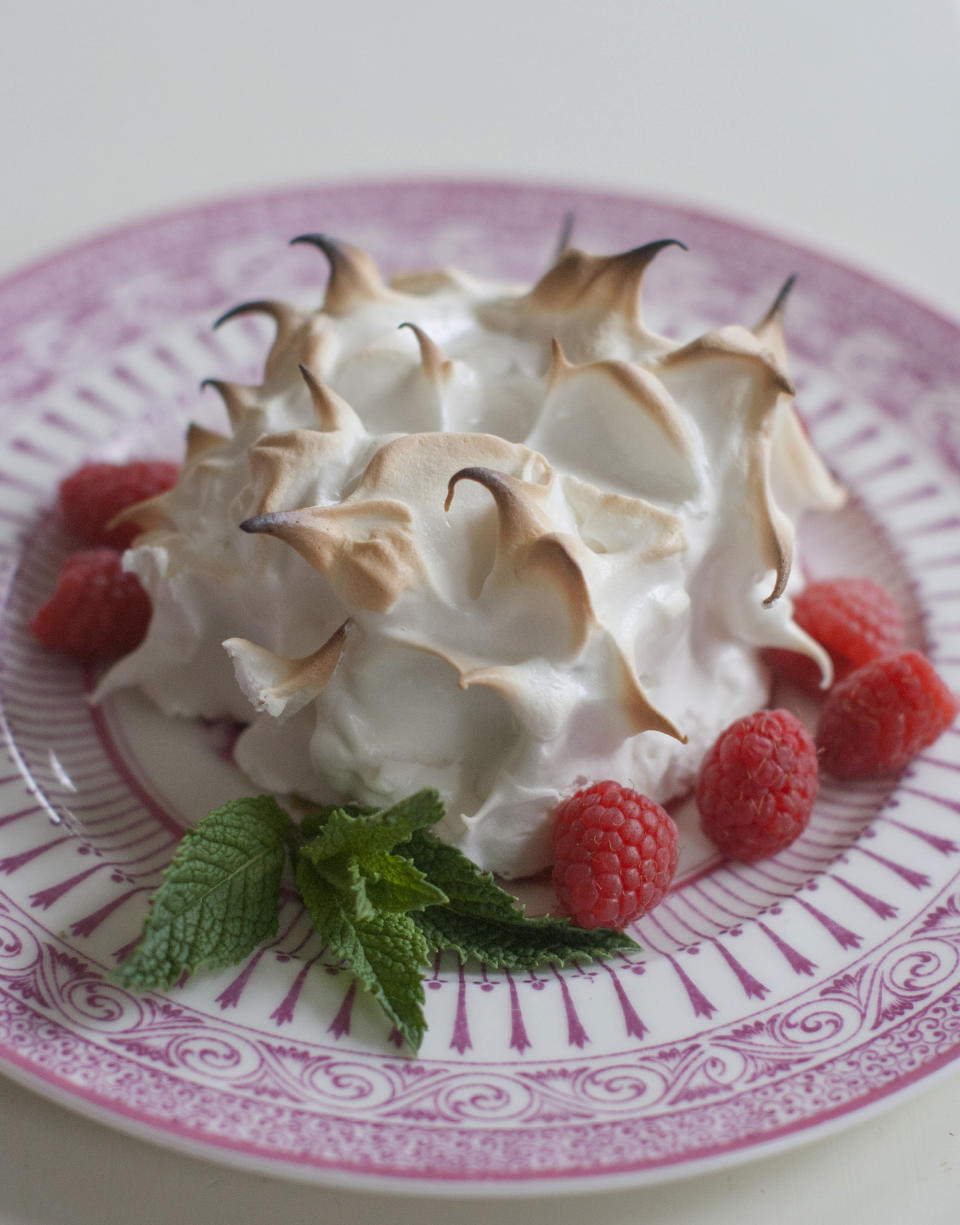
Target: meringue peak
609 284
772 321
282 686
365 548
354 277
200 440
736 345
290 323
437 367
332 411
516 503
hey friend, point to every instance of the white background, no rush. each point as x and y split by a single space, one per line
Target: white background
836 122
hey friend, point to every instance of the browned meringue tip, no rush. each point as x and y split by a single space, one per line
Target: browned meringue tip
483 476
265 523
780 583
332 411
200 439
270 681
732 343
258 306
354 275
786 289
150 515
559 362
331 247
778 306
434 362
605 282
565 235
645 253
237 399
287 319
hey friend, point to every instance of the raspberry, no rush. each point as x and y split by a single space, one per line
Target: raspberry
96 493
878 719
96 611
855 619
757 784
615 853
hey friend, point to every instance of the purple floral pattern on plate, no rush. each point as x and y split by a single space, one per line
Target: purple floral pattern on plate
770 1000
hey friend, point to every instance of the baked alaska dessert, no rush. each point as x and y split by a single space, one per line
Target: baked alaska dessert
495 540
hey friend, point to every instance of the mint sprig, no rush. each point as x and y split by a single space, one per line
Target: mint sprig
359 894
383 892
220 896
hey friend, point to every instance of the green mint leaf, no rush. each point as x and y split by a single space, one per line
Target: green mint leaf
317 818
380 883
219 898
468 889
394 884
386 953
519 945
373 833
483 922
350 851
343 874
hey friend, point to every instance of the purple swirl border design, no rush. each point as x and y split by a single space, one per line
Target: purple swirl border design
568 1139
769 1000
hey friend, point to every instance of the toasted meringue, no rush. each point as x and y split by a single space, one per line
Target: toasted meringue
495 541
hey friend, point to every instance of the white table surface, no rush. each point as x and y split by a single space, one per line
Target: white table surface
835 123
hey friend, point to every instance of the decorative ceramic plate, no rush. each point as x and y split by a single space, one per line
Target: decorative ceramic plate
770 1002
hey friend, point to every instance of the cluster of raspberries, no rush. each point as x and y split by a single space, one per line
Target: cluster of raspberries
97 611
615 851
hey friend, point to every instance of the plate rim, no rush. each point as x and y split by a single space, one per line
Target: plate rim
554 1183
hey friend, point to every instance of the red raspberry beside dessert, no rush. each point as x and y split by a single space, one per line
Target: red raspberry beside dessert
507 542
